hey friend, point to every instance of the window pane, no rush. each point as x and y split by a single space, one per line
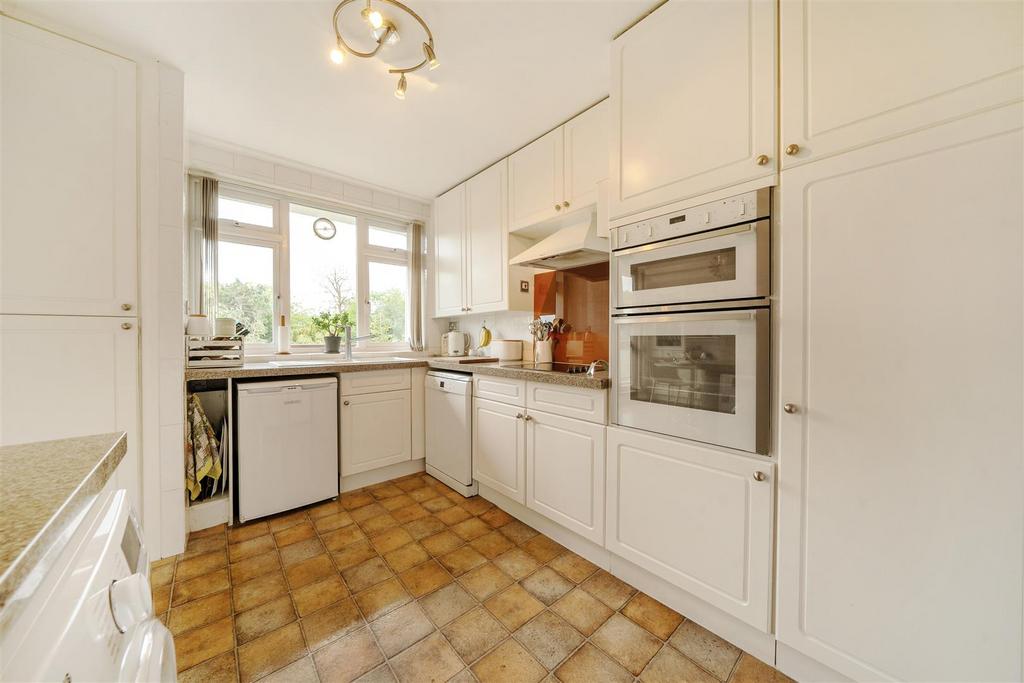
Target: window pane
389 297
245 288
323 271
391 238
242 211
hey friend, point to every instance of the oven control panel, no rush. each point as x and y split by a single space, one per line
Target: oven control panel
744 208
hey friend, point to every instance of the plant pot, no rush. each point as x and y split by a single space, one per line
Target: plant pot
332 344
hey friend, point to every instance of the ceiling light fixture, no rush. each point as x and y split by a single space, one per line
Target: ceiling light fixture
384 32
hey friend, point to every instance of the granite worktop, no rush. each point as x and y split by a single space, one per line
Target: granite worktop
470 364
44 487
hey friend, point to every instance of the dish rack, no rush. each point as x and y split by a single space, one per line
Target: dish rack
215 352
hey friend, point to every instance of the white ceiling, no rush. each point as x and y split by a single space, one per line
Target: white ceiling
257 75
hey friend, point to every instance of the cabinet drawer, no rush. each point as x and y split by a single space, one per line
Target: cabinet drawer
583 404
511 391
355 383
700 518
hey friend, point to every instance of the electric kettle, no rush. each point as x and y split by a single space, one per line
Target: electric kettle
454 343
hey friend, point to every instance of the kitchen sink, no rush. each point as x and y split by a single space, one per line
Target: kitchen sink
335 361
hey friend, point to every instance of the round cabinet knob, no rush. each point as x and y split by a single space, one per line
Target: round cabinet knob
126 307
791 408
527 418
126 326
792 150
519 416
565 204
762 160
131 602
346 403
760 476
558 207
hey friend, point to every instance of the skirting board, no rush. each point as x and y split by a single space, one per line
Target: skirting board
358 481
458 486
802 668
209 513
739 633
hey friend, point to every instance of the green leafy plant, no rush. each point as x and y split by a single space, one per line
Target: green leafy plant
332 324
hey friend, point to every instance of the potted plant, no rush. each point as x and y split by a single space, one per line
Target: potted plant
332 325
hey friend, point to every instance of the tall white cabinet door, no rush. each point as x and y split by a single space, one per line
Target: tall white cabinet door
693 102
487 230
940 60
535 181
901 516
449 257
65 376
376 431
695 516
67 176
565 472
586 155
499 448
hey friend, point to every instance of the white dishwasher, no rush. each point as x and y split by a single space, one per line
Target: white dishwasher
449 427
287 445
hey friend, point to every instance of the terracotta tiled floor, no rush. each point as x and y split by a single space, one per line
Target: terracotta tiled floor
409 581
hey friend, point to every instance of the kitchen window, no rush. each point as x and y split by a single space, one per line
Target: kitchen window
299 259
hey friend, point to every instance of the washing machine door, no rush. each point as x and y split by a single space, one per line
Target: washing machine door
150 655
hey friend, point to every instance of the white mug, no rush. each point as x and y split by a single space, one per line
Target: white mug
225 327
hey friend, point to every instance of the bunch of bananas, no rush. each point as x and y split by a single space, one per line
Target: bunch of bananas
485 336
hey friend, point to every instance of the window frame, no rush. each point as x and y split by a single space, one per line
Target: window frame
278 238
275 247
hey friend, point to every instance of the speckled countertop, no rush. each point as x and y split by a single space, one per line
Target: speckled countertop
469 364
44 487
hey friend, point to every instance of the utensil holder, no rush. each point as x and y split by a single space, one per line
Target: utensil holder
543 351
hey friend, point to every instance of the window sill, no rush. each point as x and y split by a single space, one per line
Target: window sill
302 354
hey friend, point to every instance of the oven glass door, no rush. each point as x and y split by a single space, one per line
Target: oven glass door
726 264
700 376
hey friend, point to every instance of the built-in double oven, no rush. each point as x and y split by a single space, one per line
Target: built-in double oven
691 323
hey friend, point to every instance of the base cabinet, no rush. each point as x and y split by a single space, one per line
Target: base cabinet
565 472
375 431
499 448
698 518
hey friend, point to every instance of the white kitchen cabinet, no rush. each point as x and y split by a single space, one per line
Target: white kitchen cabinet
65 376
471 247
499 448
558 173
449 252
375 381
68 188
586 155
487 239
376 431
536 180
500 389
565 472
698 517
901 512
941 61
692 103
577 402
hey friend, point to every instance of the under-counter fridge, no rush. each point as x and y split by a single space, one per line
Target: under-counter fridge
287 445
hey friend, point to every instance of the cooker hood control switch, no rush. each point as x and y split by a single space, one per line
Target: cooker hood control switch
131 602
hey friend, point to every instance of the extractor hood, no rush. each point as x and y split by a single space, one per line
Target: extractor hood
572 246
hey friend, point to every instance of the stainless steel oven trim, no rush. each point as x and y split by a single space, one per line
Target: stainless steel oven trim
762 361
762 276
726 305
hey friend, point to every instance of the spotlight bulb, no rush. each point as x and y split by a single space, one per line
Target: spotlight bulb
373 17
337 56
400 90
432 62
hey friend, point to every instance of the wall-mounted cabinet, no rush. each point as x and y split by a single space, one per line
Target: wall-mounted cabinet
941 60
559 172
692 103
472 248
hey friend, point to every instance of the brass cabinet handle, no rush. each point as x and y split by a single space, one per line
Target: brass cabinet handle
762 160
126 326
126 307
519 416
527 418
558 207
346 403
791 408
565 204
792 149
760 476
